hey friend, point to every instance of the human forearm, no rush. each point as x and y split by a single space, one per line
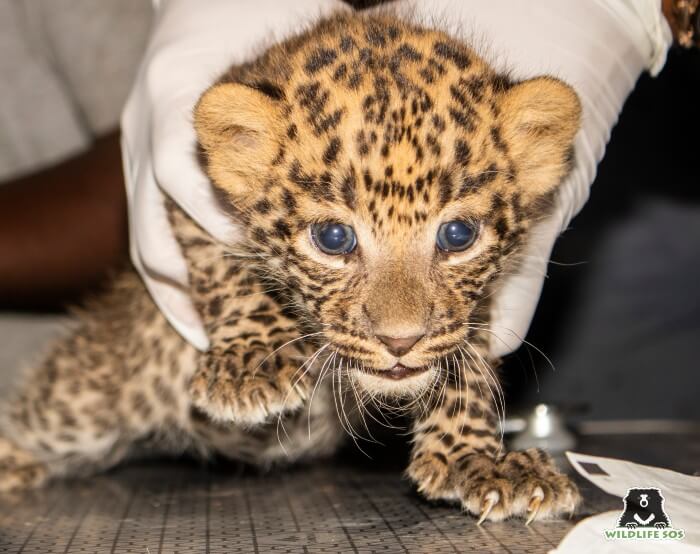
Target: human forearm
62 229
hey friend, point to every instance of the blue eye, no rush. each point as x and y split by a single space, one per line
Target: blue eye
455 236
334 238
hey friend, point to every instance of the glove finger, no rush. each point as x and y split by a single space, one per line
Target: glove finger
174 144
515 301
157 257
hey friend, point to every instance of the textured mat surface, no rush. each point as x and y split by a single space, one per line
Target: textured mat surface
339 506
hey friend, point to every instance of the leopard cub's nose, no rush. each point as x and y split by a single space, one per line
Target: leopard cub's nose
399 346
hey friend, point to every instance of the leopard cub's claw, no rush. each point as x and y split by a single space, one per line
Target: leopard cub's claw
520 484
490 500
534 506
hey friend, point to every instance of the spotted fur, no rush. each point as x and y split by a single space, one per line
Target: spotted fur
392 129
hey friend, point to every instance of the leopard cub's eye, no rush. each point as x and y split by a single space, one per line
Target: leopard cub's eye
456 236
333 238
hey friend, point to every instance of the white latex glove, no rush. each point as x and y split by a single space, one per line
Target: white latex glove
600 47
193 43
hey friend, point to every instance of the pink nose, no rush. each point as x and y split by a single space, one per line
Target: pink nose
398 346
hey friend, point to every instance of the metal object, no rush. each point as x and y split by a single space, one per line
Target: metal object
545 429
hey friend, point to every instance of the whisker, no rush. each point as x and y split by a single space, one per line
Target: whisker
316 385
360 406
486 327
478 367
309 361
285 344
485 372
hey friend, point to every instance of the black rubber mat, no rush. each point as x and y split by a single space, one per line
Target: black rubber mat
337 506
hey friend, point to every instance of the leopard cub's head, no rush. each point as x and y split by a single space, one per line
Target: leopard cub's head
385 174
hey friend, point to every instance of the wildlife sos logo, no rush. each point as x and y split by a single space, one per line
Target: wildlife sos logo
644 518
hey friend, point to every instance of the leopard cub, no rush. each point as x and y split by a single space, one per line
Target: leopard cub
383 177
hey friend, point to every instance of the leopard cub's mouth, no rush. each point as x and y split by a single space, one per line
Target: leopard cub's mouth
398 372
397 381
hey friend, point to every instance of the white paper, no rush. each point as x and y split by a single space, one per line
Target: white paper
681 495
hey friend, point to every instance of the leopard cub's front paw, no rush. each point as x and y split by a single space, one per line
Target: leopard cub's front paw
523 484
431 474
248 389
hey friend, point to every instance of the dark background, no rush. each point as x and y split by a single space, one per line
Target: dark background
622 325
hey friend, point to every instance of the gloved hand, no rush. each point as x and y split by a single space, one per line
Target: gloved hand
599 47
193 43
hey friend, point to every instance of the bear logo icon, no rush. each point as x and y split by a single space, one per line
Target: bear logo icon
644 508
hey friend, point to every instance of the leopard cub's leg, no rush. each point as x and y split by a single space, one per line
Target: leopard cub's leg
457 456
253 378
117 382
252 370
19 468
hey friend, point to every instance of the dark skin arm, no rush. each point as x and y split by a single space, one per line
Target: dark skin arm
62 229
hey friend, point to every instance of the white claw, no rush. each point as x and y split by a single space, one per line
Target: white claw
490 500
535 503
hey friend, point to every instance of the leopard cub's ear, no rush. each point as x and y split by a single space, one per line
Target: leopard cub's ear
237 127
539 119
